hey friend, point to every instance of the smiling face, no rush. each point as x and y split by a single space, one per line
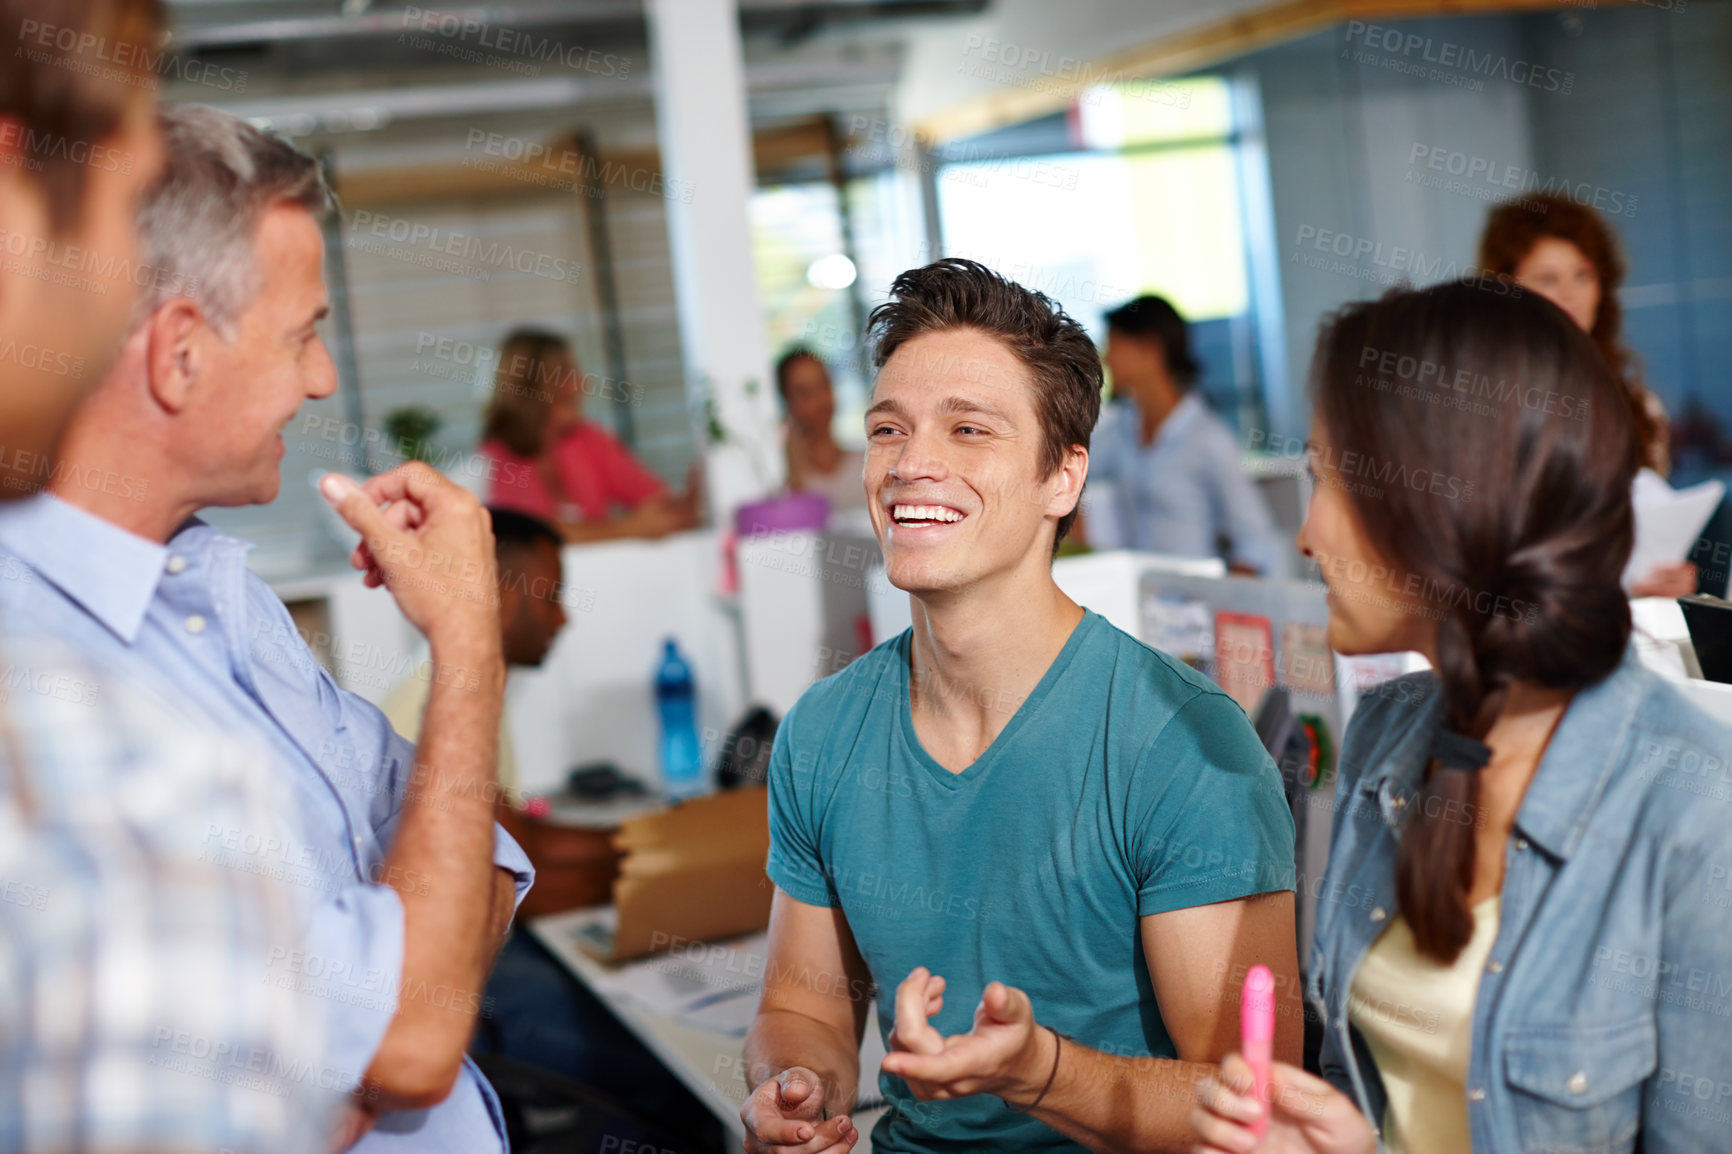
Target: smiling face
954 464
251 385
1562 273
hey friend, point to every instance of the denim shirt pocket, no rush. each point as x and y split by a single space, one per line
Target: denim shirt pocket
1579 1088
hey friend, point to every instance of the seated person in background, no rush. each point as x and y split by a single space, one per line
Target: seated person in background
531 615
816 463
1180 487
1013 821
1567 253
551 463
119 936
1533 848
412 884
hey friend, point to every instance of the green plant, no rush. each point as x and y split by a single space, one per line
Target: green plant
411 430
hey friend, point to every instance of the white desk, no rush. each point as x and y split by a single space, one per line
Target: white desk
723 980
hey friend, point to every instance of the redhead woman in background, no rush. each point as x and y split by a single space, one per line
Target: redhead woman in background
1565 252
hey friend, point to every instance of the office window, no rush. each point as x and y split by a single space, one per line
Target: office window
1136 191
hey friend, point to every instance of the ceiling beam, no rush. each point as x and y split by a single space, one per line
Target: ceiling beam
1192 49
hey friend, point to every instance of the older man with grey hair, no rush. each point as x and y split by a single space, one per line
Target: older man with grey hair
414 885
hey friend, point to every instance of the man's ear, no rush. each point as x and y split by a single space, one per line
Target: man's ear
174 355
1066 484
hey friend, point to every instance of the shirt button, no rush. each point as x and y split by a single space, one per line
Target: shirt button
1495 966
176 563
1378 914
1578 1083
1521 843
195 624
1476 1095
1398 801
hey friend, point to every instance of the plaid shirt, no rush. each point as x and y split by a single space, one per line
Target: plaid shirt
132 1015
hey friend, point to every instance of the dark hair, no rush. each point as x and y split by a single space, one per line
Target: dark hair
516 414
961 294
513 530
1512 230
66 100
786 361
1154 318
1507 398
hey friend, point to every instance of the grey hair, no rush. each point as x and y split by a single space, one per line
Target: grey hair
196 223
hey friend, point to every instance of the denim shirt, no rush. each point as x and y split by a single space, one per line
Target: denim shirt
1604 1013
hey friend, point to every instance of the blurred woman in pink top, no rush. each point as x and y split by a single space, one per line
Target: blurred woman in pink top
552 463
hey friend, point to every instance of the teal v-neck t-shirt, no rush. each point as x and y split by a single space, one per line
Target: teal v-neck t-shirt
1126 784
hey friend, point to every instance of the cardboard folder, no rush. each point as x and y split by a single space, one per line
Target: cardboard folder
691 873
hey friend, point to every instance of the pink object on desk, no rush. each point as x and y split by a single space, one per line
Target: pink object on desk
1257 1036
788 513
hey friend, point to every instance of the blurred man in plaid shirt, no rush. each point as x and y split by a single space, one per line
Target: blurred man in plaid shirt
132 1015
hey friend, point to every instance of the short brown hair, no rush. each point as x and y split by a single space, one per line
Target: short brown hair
73 68
1512 230
962 294
516 415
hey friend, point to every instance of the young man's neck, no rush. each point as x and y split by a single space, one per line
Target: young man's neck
977 654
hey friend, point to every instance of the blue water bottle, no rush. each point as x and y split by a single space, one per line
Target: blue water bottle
677 705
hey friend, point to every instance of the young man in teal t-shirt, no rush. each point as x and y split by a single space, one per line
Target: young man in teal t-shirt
1012 822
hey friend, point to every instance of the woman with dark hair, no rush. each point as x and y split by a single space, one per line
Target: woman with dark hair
548 461
1521 940
1565 252
817 463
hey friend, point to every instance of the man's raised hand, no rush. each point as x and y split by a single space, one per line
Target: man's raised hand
785 1115
1006 1054
431 546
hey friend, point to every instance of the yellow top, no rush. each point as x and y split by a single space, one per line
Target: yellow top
405 705
1417 1017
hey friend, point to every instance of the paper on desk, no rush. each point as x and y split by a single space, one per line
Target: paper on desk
1668 521
684 980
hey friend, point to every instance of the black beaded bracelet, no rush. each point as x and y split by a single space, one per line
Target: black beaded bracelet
1057 1048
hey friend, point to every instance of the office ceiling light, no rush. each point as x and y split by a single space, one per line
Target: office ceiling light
835 271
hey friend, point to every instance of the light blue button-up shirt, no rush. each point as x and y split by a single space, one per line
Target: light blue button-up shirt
190 618
1186 491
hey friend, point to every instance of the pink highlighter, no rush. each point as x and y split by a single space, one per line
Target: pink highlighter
1257 1036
